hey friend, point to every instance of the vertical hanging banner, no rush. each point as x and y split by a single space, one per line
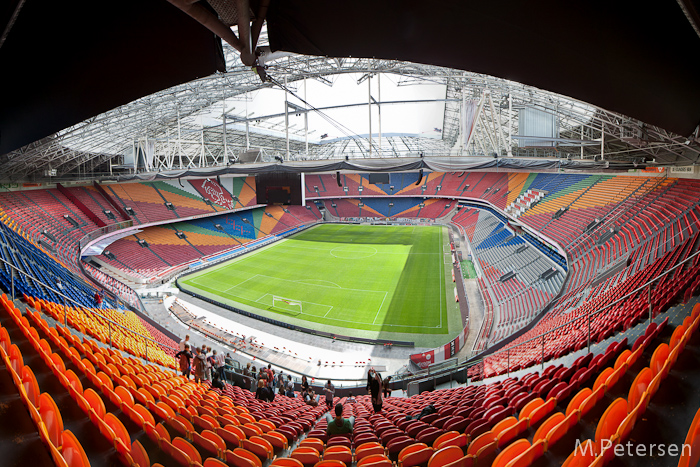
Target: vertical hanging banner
469 110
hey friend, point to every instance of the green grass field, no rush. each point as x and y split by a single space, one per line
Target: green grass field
365 281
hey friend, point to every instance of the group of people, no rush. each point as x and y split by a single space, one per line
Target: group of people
269 383
206 365
203 363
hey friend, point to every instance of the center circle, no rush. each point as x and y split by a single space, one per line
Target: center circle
353 251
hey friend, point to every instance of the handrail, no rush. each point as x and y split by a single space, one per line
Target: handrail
14 268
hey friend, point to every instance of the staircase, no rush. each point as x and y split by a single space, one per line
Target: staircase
524 201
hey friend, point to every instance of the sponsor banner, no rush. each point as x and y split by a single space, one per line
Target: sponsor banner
425 359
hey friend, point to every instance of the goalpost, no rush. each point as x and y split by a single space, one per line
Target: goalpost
287 304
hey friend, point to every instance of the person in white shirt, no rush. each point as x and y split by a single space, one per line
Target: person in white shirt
220 363
184 341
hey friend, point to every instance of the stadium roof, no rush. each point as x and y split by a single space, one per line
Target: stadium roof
148 86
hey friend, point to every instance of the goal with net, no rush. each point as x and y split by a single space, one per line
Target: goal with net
287 305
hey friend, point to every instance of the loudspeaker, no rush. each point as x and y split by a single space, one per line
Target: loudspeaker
420 177
337 179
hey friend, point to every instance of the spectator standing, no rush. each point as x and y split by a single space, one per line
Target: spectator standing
219 364
269 374
374 386
185 357
281 385
385 387
290 387
199 366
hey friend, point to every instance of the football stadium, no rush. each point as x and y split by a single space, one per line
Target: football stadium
257 233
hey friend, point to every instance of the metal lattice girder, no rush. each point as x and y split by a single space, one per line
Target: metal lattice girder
84 147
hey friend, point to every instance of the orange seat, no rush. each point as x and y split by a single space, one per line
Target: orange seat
375 460
511 432
529 407
615 376
416 457
230 437
330 463
627 424
186 447
691 457
592 400
162 431
306 455
558 431
368 449
677 337
315 443
286 462
31 387
444 437
511 452
124 395
247 455
538 413
445 456
504 425
658 358
466 461
213 462
251 430
338 453
530 455
258 446
139 455
578 399
602 378
72 451
607 427
145 414
207 443
95 402
481 441
276 439
548 425
622 358
52 419
639 387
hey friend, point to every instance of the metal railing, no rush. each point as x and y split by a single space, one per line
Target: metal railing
100 231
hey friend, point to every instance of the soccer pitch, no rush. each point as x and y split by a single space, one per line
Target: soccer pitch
364 281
